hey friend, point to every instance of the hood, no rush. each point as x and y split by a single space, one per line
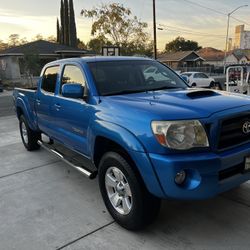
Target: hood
175 105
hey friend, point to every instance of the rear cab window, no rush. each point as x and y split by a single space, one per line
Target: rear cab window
49 79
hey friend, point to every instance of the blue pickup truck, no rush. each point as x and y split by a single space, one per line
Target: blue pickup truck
137 124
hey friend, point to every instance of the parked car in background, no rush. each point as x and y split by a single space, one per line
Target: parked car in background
199 79
1 86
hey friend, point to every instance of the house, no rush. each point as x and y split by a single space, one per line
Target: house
212 56
238 56
12 59
231 59
181 59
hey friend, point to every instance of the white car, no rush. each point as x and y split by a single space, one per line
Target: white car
199 79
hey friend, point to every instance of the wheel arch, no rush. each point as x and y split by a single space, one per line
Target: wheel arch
111 137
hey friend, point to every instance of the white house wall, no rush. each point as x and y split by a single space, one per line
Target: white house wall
231 59
9 67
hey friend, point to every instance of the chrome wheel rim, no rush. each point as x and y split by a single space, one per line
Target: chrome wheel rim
24 132
118 190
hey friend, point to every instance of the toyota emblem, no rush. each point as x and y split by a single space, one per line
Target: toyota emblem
246 127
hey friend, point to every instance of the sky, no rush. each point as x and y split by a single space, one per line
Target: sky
184 18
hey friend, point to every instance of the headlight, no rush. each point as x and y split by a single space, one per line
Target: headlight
180 135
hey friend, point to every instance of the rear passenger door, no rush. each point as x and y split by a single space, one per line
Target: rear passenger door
72 115
44 99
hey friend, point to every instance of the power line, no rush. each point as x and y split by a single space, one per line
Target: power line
215 11
172 28
205 7
236 19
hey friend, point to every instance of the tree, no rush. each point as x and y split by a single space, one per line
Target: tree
97 43
3 45
14 40
81 44
72 25
51 39
62 22
58 39
181 44
38 37
116 23
66 22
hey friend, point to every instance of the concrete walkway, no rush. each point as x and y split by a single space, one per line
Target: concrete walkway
44 204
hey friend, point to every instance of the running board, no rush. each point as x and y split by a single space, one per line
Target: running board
69 161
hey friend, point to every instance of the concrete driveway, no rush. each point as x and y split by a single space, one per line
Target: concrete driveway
44 204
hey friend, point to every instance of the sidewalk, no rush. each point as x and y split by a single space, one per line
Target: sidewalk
6 93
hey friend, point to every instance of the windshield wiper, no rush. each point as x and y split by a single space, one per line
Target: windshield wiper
165 87
125 91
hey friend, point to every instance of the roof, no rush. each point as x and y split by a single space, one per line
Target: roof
211 54
42 47
89 59
178 56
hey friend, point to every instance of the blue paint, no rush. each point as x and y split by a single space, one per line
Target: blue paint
126 119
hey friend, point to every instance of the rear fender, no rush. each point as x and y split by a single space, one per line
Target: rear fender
29 112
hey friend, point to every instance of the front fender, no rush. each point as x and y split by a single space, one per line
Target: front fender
134 148
116 133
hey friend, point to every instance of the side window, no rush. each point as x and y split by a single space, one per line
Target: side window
72 74
49 79
203 75
197 75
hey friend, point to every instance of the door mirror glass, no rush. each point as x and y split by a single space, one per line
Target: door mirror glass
72 90
185 78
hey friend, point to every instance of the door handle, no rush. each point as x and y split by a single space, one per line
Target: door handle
57 106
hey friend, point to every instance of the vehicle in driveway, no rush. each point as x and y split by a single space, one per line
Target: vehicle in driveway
199 79
147 138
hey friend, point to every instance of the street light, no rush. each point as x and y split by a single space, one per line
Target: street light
228 20
154 28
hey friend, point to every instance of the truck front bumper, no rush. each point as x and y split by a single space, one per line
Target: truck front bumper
207 174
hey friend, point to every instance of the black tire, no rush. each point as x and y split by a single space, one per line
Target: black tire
30 143
193 85
215 85
150 81
145 207
212 85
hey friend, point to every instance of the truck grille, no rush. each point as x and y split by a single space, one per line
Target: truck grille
231 133
226 173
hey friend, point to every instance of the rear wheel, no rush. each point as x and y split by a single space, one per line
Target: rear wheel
193 85
29 137
124 194
215 85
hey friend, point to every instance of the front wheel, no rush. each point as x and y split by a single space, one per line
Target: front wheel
29 137
124 194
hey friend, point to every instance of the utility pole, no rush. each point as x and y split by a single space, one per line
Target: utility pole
228 22
154 27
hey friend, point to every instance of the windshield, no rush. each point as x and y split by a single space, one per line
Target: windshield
131 76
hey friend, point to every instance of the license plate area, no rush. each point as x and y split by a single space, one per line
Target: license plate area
247 164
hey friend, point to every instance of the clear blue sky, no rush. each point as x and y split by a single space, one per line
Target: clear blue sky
31 17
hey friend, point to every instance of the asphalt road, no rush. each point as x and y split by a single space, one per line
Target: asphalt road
44 204
6 104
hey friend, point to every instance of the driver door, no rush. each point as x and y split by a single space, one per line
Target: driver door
72 115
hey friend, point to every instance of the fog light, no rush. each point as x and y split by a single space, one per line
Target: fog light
180 177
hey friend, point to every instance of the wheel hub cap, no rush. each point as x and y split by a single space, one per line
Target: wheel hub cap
118 190
24 132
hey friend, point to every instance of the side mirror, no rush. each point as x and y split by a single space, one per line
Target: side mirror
185 78
72 90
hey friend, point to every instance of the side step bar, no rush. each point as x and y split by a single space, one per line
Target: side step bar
81 169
